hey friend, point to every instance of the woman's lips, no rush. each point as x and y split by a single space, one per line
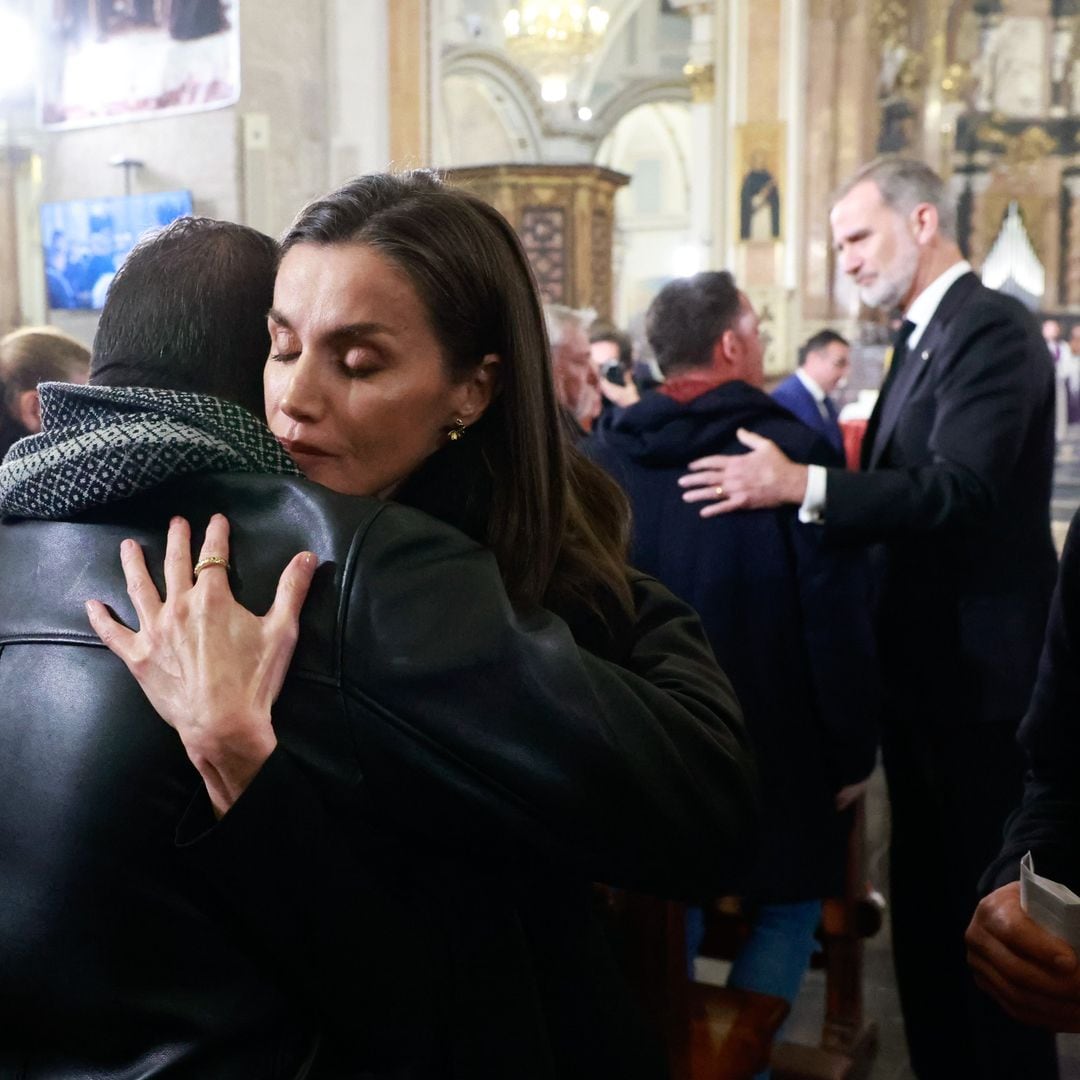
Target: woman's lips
298 448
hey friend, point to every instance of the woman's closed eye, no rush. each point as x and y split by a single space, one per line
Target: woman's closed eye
359 363
284 356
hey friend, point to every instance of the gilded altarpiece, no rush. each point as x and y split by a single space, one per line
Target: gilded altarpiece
1013 79
565 217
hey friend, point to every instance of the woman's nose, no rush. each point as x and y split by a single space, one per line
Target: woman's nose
301 398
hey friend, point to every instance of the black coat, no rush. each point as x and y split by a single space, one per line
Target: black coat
789 620
407 878
958 463
1047 822
958 459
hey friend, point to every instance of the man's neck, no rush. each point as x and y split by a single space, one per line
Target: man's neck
935 261
811 384
687 385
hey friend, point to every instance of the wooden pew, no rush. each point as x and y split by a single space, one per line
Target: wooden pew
711 1033
848 1042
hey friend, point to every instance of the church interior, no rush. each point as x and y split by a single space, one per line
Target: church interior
630 143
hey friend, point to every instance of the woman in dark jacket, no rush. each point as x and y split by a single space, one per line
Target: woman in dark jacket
409 360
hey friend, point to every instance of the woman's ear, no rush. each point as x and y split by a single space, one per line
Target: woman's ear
476 392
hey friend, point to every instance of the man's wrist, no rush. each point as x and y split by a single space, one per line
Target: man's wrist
796 484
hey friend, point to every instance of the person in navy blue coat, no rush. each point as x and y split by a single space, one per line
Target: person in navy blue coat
824 362
788 619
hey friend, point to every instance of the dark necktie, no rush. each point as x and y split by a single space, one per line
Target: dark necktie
831 411
899 348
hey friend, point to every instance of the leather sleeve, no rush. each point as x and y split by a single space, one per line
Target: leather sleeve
308 891
487 743
1047 822
986 396
490 732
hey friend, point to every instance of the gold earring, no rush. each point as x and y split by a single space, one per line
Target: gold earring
457 431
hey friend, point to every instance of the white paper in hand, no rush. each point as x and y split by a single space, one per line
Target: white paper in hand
1052 906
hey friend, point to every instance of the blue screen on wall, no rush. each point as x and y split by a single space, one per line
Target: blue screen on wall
86 240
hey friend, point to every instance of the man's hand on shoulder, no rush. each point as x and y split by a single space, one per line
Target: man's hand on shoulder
1032 975
761 479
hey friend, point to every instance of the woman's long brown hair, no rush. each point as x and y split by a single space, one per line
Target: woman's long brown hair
557 524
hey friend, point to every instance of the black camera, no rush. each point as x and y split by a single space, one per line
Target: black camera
613 372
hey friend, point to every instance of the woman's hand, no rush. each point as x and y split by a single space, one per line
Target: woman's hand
210 668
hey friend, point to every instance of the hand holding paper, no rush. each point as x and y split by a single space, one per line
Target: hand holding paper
1032 972
1054 907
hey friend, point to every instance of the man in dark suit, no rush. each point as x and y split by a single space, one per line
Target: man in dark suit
956 478
824 361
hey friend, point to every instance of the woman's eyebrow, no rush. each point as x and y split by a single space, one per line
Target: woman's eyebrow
280 319
360 330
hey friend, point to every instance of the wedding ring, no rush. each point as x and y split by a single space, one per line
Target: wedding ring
719 489
210 560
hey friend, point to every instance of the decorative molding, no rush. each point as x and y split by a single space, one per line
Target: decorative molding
644 92
519 86
702 80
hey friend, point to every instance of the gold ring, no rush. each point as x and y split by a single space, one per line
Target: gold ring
719 489
210 560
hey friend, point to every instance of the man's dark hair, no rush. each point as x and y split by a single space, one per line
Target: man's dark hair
187 311
688 315
604 331
821 340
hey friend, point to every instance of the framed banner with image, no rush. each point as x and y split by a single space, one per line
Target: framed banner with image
107 61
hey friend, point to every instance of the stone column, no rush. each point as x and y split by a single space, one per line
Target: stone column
10 306
359 87
410 57
1072 261
701 74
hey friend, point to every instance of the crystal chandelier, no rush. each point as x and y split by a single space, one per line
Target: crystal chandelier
553 39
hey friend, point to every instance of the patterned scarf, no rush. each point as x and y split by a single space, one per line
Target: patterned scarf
99 444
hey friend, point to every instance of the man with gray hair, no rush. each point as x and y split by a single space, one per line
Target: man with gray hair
955 483
577 386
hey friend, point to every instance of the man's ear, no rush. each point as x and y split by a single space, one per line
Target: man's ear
725 350
28 410
924 222
475 394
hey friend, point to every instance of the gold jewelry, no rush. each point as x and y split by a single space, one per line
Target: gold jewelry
719 489
457 431
206 563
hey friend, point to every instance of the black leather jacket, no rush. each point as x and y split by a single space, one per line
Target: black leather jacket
402 891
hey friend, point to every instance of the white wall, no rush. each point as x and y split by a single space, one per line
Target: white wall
313 110
652 213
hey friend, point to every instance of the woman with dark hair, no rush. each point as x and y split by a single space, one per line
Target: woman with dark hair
409 362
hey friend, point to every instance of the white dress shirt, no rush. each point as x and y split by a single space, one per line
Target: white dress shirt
814 391
922 310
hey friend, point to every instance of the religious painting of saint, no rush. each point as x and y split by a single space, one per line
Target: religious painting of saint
760 172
